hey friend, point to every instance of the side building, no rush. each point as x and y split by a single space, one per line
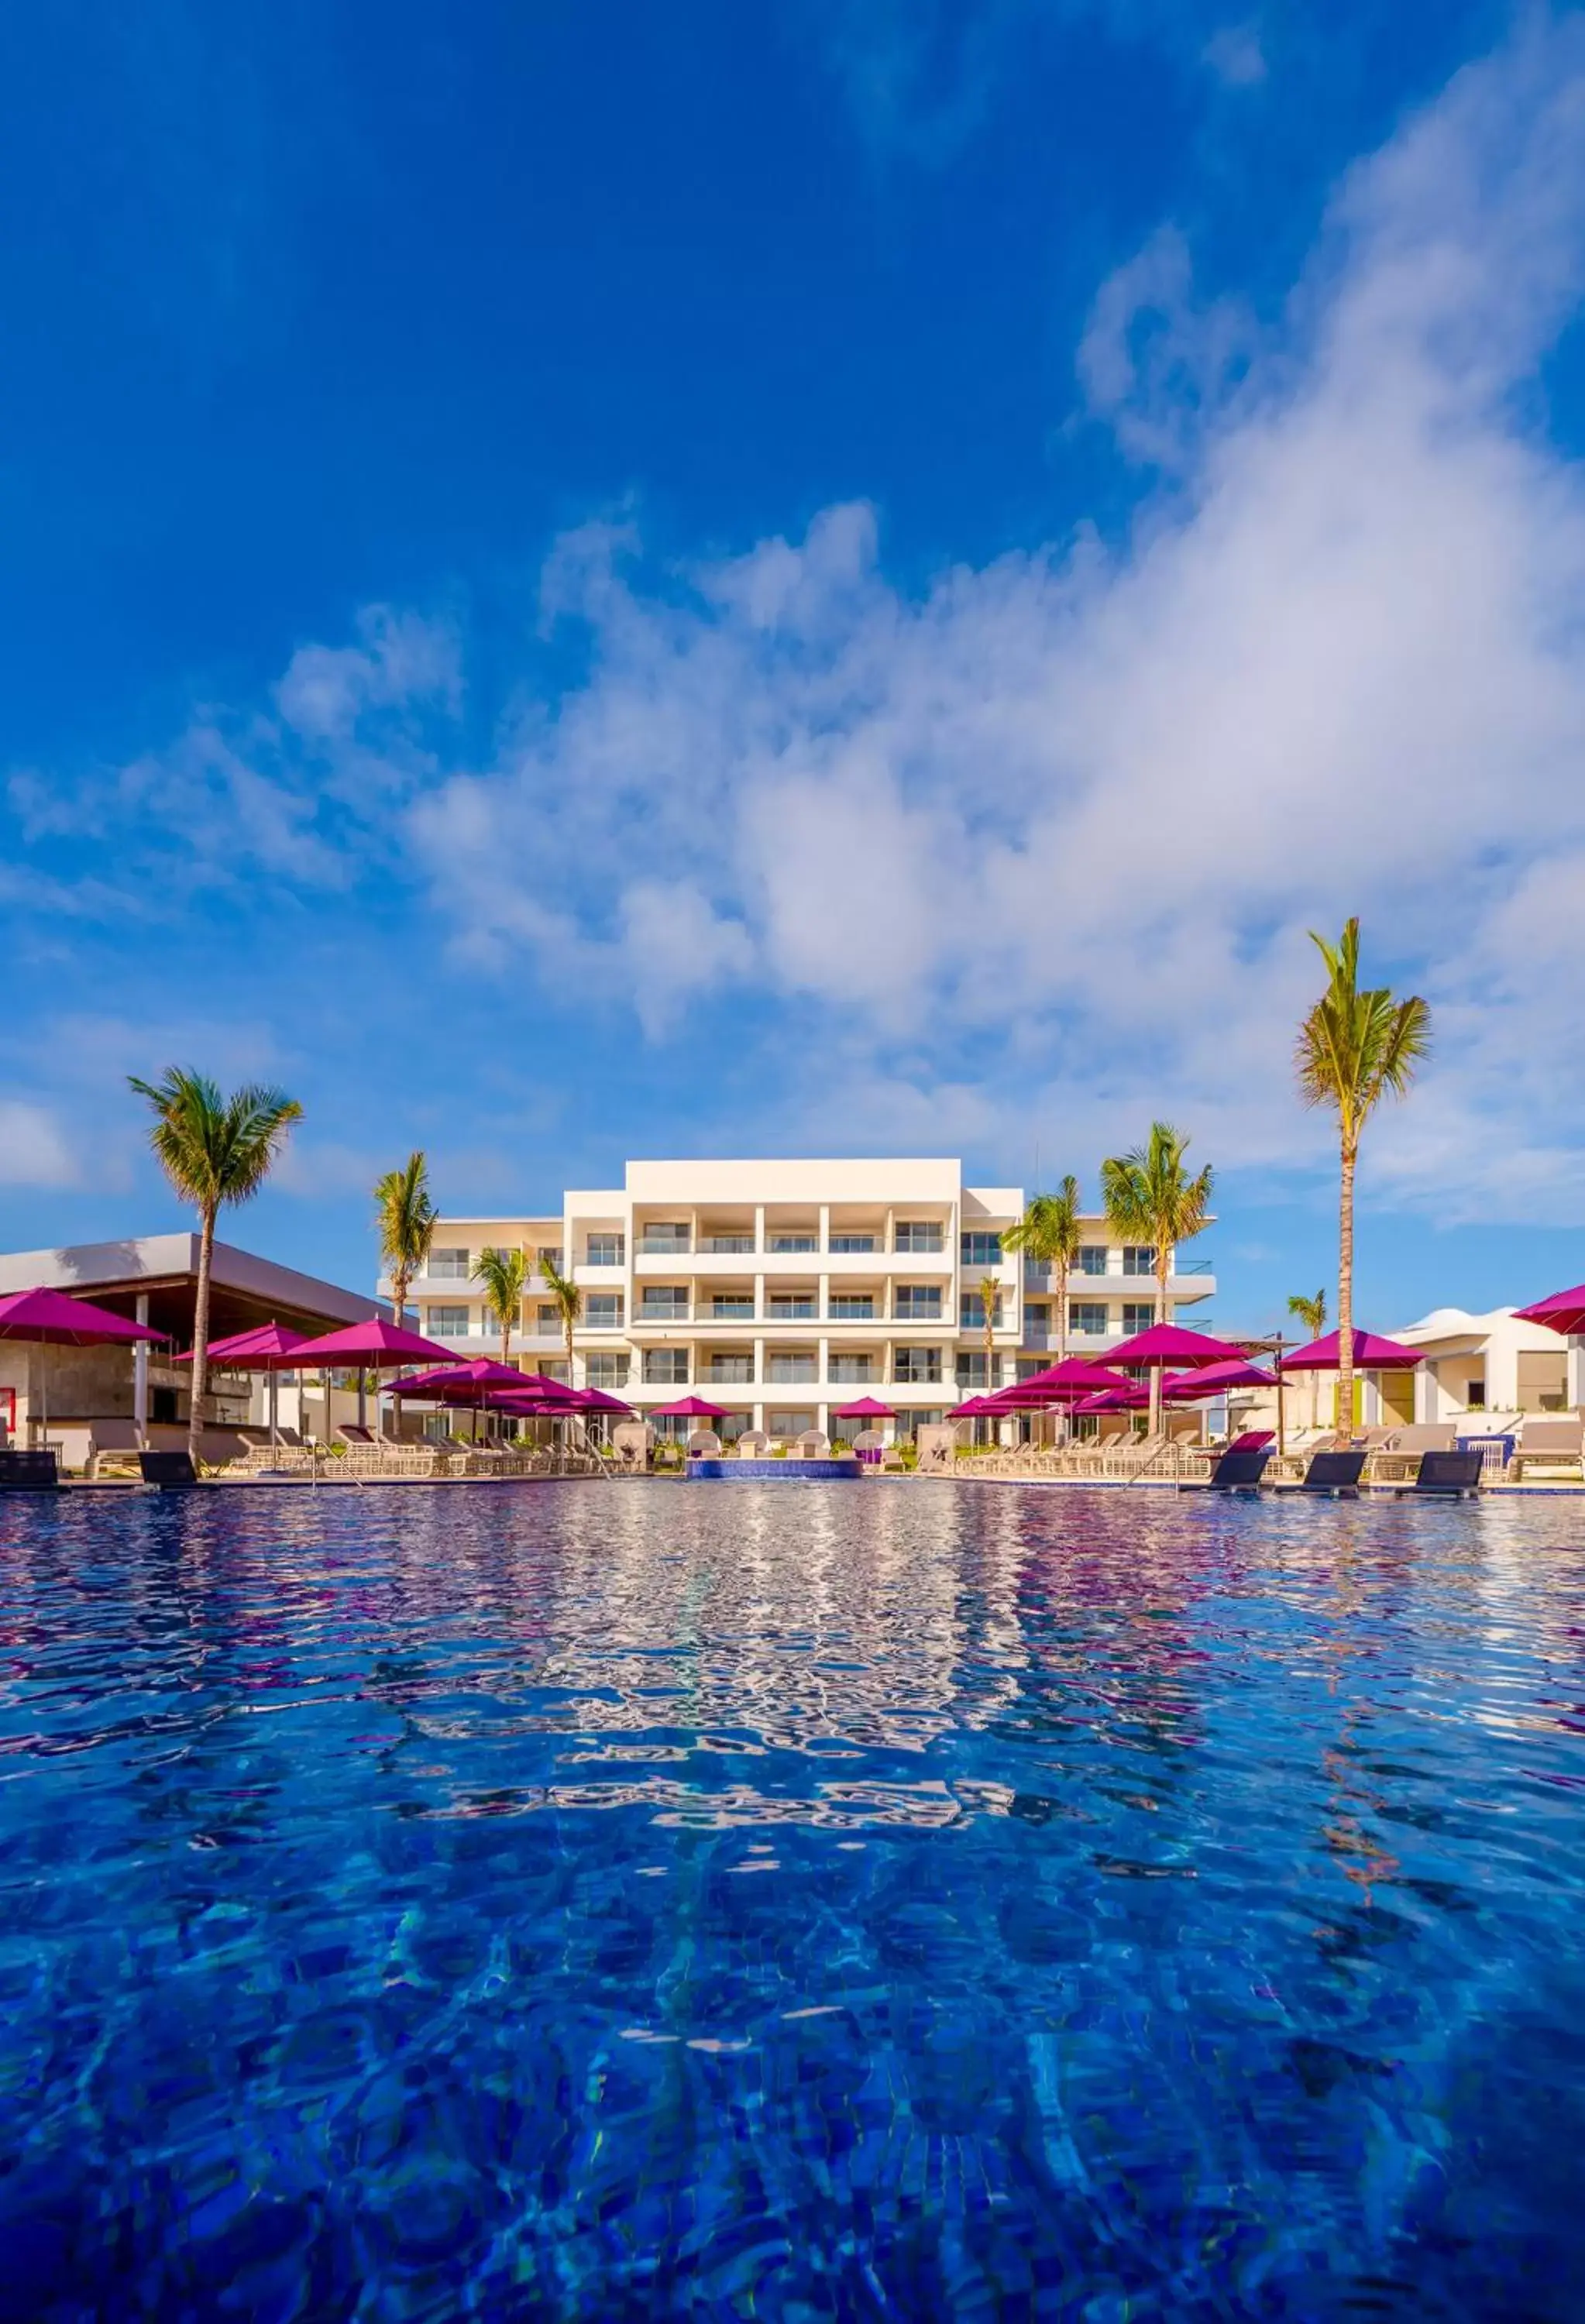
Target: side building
781 1290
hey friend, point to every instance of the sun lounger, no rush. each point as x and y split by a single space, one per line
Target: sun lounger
1240 1472
29 1472
353 1431
167 1470
1550 1445
1333 1473
1447 1476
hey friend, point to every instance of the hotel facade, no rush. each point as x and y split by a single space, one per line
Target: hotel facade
782 1290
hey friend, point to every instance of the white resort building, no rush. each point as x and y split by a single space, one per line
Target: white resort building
780 1290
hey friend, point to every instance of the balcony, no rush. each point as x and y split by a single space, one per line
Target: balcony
651 1311
798 1309
737 1244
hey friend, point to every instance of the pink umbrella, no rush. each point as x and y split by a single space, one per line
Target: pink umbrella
47 1318
372 1343
688 1407
1062 1383
978 1407
1561 1310
267 1348
1372 1353
864 1408
473 1383
1170 1343
1216 1380
1131 1398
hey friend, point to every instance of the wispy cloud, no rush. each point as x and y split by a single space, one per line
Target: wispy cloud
34 1148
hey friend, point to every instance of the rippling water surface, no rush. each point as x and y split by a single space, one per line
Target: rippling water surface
925 1901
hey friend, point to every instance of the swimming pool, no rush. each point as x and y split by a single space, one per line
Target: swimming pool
620 1901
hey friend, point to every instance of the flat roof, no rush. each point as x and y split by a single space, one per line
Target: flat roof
244 1290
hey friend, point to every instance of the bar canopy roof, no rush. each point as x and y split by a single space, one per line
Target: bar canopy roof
245 1291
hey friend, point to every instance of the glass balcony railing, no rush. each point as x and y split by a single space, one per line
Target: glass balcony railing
727 1243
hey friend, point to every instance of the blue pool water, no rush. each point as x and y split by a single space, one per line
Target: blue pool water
616 1901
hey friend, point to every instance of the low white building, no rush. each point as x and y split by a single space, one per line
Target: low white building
1493 1365
780 1290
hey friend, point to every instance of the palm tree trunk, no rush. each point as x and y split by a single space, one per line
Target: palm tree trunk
1062 1313
399 1285
1345 1294
571 1374
1158 1372
200 1380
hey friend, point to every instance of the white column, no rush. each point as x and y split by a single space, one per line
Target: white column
825 1226
140 1371
1575 1391
759 1226
823 1389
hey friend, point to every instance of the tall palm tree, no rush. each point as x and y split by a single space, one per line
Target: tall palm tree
1050 1233
216 1151
1150 1198
569 1301
1354 1047
989 1294
1310 1313
405 1220
504 1275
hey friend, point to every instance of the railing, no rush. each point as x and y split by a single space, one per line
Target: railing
784 1246
665 1249
672 1312
791 1310
728 1243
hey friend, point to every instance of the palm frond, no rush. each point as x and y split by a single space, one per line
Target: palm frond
504 1275
404 1215
215 1150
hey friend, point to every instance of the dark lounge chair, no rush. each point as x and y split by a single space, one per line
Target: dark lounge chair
167 1469
1240 1469
1448 1476
29 1472
1334 1473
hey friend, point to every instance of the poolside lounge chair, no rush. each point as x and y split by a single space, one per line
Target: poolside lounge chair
167 1470
28 1472
1550 1445
219 1447
1333 1472
1447 1476
1240 1471
116 1441
704 1444
353 1431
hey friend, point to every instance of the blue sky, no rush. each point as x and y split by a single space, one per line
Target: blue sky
835 577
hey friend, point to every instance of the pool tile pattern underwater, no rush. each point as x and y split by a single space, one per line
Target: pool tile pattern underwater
628 1901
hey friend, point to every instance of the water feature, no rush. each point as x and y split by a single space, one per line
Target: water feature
630 1900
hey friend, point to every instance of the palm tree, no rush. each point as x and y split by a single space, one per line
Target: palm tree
216 1151
1050 1233
405 1220
989 1295
1354 1048
569 1300
504 1275
1310 1313
1150 1198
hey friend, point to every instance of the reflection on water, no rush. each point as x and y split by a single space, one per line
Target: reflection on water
623 1900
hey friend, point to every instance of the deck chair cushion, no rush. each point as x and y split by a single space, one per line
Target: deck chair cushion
1334 1473
1238 1471
167 1469
1449 1473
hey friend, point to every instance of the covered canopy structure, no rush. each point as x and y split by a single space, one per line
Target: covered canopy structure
45 1318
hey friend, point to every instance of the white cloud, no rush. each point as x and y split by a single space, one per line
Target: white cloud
34 1151
1034 852
1234 54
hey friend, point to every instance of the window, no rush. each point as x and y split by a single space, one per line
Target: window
1475 1394
852 1243
733 1308
450 1266
920 1234
550 1255
727 1242
783 1423
981 1249
606 1251
547 1320
919 1303
1138 1314
606 1371
792 1306
1037 1315
930 1417
732 1368
971 1312
666 1239
557 1370
447 1322
920 1365
1087 1318
1139 1259
789 1368
970 1370
852 1307
666 1367
850 1371
664 1303
603 1311
162 1406
800 1240
1091 1259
